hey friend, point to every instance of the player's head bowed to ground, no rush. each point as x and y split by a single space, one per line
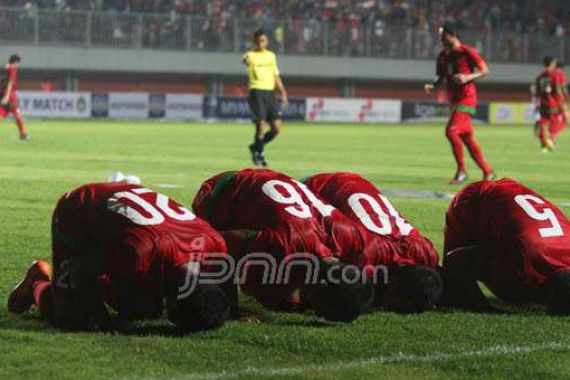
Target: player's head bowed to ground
513 240
269 217
129 248
408 281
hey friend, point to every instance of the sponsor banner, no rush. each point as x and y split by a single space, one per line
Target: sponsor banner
55 104
99 105
413 112
353 110
156 105
512 113
128 105
232 107
183 106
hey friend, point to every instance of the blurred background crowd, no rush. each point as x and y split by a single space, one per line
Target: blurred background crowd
353 27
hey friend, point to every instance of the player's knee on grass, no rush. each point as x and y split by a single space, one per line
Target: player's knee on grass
205 308
344 295
413 289
68 311
557 288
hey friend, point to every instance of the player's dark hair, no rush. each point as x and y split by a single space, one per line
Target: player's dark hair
557 287
14 58
547 61
258 33
560 64
450 28
206 308
420 285
344 295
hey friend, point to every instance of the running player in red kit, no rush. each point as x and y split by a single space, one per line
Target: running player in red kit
390 239
128 247
548 85
563 98
459 66
268 213
513 240
9 95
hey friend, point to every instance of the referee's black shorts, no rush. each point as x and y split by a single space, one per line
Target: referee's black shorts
263 106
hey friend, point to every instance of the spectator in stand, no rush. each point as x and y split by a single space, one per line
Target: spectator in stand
353 26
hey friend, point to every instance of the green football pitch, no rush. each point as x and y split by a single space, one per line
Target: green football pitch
174 158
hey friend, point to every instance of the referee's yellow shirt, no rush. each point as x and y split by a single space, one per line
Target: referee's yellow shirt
262 69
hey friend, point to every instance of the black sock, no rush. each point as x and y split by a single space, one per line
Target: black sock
269 136
258 144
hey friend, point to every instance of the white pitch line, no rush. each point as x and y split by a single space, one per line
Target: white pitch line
400 357
169 185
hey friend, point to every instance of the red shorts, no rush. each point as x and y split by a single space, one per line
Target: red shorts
551 118
459 123
12 108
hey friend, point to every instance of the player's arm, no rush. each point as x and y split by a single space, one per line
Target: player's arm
245 60
437 82
481 70
237 242
279 84
8 91
281 88
83 273
460 273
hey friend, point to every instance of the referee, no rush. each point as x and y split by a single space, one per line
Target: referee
263 79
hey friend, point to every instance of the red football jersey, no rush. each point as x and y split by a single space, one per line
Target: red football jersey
522 236
390 239
463 60
561 82
10 74
135 234
547 90
280 209
286 220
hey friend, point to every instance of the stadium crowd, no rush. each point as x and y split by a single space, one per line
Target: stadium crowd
524 15
353 25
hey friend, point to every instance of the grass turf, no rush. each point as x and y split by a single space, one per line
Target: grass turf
65 154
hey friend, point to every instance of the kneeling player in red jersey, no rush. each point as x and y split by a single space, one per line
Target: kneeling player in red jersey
9 96
513 240
129 248
269 219
391 241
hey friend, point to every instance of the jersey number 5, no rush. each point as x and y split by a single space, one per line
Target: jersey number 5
153 213
524 201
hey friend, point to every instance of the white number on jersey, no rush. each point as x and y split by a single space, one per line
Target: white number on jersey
285 193
555 230
156 212
356 202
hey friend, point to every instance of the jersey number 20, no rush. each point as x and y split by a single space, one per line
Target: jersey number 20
154 213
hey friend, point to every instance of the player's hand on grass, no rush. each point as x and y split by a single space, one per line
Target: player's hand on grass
249 318
107 325
461 78
428 88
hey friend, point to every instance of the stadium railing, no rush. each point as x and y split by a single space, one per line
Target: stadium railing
295 37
